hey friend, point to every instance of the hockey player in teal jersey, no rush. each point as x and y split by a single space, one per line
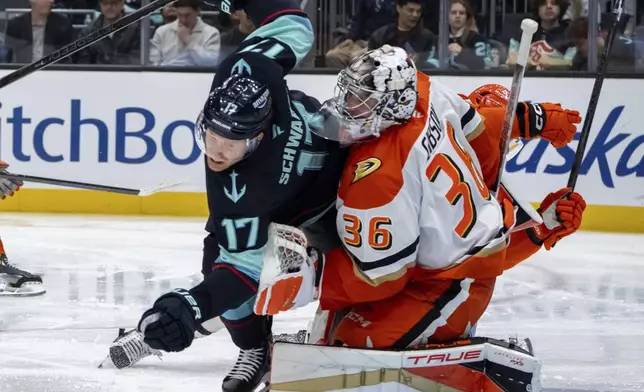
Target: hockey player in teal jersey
263 165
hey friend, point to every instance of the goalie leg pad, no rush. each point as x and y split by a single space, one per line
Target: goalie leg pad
480 364
424 312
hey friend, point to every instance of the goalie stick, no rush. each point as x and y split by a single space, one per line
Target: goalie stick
529 27
594 98
93 187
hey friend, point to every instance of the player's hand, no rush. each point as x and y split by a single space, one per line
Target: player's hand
291 289
562 212
8 187
171 322
548 121
455 48
184 34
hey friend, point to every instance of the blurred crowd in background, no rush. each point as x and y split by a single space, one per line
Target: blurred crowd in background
483 34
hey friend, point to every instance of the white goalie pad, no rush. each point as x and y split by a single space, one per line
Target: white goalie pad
479 364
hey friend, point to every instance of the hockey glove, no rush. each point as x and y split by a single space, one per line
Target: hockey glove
562 212
7 187
171 323
292 273
548 121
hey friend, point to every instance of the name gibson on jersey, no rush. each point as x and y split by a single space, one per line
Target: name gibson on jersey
433 134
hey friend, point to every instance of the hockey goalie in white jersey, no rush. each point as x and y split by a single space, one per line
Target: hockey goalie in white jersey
423 237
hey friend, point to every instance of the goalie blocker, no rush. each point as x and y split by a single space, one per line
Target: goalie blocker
477 364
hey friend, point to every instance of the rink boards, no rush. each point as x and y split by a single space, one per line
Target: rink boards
134 129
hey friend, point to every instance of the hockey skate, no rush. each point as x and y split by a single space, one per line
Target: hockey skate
128 349
16 282
251 371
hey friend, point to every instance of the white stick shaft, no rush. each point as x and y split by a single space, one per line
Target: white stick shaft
529 27
524 47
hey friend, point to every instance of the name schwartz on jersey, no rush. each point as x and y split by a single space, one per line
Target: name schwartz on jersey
307 160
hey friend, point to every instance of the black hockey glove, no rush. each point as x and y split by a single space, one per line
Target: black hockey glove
170 324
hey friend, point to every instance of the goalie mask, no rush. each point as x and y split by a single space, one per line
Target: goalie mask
376 91
232 122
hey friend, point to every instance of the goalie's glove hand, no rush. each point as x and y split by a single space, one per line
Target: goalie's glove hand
562 212
171 322
548 121
8 187
291 289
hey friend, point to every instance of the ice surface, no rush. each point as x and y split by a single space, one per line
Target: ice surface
581 304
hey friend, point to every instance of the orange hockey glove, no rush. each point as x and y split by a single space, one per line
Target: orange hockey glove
548 121
8 187
562 212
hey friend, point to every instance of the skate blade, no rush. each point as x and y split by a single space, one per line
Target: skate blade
30 290
264 386
106 361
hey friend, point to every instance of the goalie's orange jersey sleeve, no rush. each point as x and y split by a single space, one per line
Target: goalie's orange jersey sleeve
486 143
412 204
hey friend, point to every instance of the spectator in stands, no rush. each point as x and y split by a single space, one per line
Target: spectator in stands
169 14
186 41
468 49
231 39
408 33
38 33
122 47
369 16
626 54
550 48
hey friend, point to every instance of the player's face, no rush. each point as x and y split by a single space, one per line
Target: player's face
457 16
187 16
359 105
41 6
222 153
409 15
112 9
549 11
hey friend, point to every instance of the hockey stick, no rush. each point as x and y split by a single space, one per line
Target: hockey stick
95 36
529 27
83 42
594 98
92 187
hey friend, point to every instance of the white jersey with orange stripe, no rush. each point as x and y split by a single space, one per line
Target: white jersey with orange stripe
415 197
